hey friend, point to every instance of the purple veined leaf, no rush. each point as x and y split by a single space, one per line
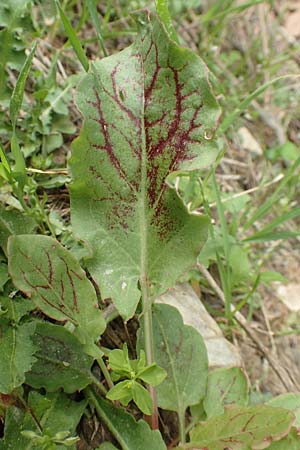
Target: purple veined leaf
148 111
49 274
241 428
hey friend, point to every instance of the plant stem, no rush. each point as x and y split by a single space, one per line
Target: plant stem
90 395
181 417
148 343
99 385
105 373
147 302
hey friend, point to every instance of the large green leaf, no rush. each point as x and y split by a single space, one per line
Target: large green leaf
131 435
55 413
180 350
61 361
52 277
242 428
16 350
148 111
225 386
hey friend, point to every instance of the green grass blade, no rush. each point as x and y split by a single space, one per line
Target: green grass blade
217 14
73 38
222 218
3 158
225 274
96 22
20 166
5 170
272 236
214 10
227 121
164 15
276 222
266 206
18 92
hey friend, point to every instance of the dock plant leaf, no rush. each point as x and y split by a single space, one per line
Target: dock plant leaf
60 360
16 349
224 387
49 274
290 401
131 434
242 428
148 111
180 350
54 411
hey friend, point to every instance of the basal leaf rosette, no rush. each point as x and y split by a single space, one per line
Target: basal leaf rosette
147 112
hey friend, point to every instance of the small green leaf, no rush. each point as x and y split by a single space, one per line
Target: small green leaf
128 390
288 152
60 360
141 362
225 386
131 435
73 38
122 392
153 375
54 280
240 264
18 92
242 428
16 308
13 222
119 361
17 350
142 398
270 276
58 414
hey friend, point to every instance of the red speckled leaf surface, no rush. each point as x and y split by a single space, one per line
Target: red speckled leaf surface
148 111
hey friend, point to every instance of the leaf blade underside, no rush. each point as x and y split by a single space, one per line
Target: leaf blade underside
147 111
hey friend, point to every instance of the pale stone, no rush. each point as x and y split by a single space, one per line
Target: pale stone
289 294
248 141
